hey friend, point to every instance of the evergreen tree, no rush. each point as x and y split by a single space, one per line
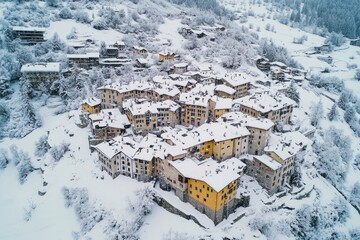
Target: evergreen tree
334 113
343 100
316 114
292 93
102 49
349 114
357 74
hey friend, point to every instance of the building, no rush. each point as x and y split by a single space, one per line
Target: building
220 140
225 91
109 123
114 62
259 129
41 72
166 55
111 52
209 186
326 48
116 156
140 50
240 82
141 63
119 45
91 105
273 170
262 63
85 60
274 106
29 35
195 109
178 68
147 116
219 106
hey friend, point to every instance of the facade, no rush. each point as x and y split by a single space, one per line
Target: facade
195 109
91 105
41 72
29 35
210 186
109 123
148 116
239 82
224 91
276 107
86 60
219 106
140 50
166 55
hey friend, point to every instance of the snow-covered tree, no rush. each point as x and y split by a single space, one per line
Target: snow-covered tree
42 146
22 162
317 112
72 34
292 93
65 13
57 152
102 50
334 113
357 74
349 114
56 43
355 195
4 160
335 39
296 178
343 100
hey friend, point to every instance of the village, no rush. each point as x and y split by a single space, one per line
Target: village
195 133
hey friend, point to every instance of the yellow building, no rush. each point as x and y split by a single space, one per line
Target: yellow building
211 186
195 109
220 140
91 105
219 106
224 91
240 82
166 55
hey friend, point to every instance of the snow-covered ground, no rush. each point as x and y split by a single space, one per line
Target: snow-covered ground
51 219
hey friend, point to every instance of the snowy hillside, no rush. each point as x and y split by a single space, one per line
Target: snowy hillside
51 180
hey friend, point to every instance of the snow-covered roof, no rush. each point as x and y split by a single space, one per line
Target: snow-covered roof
279 64
179 137
265 101
222 103
235 79
139 48
287 144
180 65
152 146
166 53
83 55
28 29
194 100
116 145
268 161
216 175
41 67
109 118
142 60
246 120
152 107
132 86
225 89
92 101
218 131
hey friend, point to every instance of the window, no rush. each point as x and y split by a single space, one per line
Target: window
190 185
197 196
207 195
196 188
204 199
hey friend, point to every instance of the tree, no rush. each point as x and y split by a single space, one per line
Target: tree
355 195
334 113
65 13
4 161
343 100
296 178
335 39
316 114
349 114
52 3
357 74
42 146
292 93
102 50
58 152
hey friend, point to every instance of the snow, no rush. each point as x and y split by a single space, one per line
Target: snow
216 175
109 118
268 161
41 67
28 29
